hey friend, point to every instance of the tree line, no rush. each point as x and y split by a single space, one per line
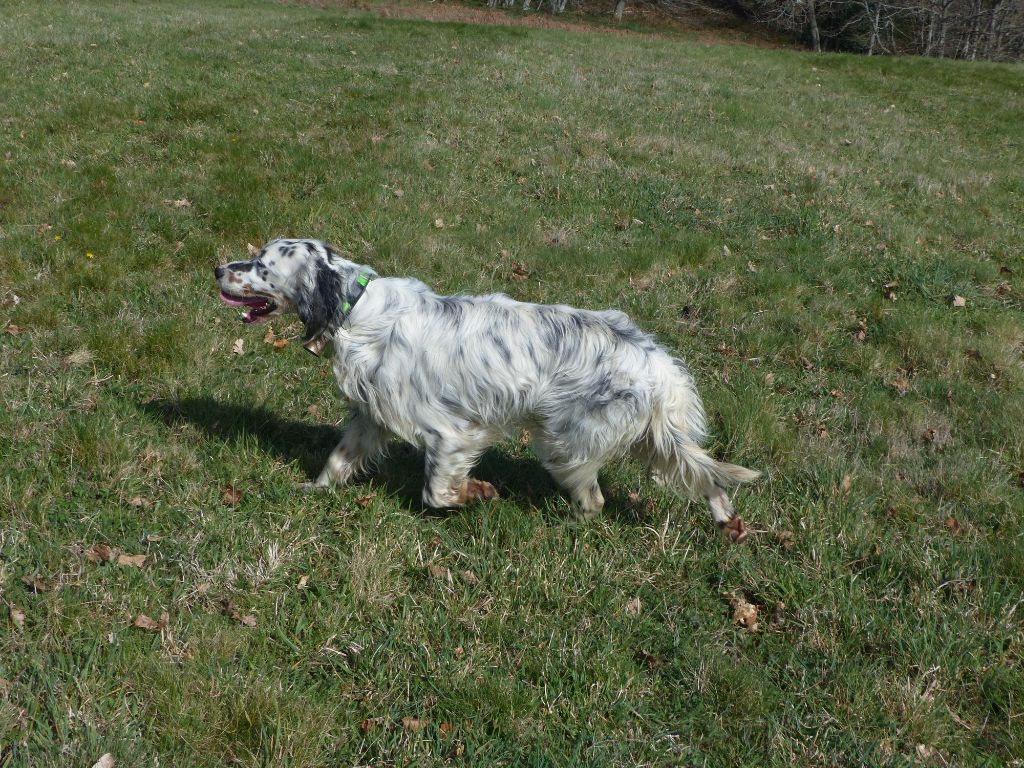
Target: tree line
955 29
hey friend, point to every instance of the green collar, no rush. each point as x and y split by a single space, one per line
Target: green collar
362 279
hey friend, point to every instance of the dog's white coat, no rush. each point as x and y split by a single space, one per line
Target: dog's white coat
456 374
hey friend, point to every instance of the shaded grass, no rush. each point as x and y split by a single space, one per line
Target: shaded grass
616 170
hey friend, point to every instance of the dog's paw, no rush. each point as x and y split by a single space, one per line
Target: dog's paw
477 490
736 530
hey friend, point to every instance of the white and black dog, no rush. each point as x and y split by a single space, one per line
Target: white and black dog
456 374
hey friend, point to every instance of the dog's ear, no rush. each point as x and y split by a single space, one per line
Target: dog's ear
319 299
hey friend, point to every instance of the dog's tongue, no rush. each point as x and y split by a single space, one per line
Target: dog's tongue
238 301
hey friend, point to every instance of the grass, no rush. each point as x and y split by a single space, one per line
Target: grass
756 209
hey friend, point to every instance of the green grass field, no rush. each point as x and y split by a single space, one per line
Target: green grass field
794 226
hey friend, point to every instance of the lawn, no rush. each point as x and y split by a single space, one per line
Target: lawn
833 243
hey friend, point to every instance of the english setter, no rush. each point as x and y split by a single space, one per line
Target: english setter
454 375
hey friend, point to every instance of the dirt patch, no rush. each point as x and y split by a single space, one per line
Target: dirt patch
703 27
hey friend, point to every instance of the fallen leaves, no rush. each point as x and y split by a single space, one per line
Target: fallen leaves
958 301
100 553
438 572
238 348
17 616
633 607
889 290
270 338
36 584
183 202
744 613
438 223
953 526
901 385
12 330
364 501
230 496
142 621
232 612
443 573
519 272
860 333
414 724
785 540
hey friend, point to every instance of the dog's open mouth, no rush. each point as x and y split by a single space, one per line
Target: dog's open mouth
259 306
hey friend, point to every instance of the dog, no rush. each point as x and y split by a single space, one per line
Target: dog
454 375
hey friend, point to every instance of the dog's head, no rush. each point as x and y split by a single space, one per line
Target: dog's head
303 276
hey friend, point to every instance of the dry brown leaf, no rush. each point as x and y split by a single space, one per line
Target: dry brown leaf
268 337
861 331
106 761
959 301
744 614
367 725
135 561
17 616
12 330
847 484
280 343
889 290
469 577
142 621
313 410
953 526
36 583
137 501
785 539
364 501
303 581
445 729
459 652
238 347
182 202
101 553
414 724
231 496
633 606
439 223
438 572
519 272
901 385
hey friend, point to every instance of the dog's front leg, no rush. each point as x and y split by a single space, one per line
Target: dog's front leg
447 468
361 443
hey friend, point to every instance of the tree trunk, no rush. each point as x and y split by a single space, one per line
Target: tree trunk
874 31
813 21
620 6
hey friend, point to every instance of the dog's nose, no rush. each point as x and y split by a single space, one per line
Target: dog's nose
218 271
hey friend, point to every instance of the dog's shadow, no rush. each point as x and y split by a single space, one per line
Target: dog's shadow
518 478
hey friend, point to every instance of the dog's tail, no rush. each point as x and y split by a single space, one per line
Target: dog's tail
672 443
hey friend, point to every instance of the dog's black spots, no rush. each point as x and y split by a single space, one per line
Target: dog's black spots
451 405
501 346
318 304
531 350
240 266
451 308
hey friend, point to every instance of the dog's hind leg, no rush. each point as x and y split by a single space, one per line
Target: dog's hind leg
578 478
362 442
448 463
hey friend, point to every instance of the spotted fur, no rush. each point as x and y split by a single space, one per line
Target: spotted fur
456 374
